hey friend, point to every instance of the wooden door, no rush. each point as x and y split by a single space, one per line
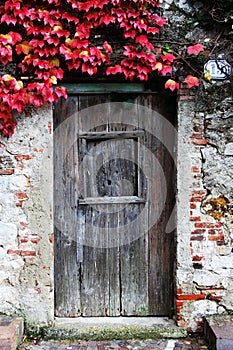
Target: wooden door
114 191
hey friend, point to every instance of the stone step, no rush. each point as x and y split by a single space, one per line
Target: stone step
218 330
11 332
110 328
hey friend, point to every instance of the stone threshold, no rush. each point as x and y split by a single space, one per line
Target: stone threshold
112 328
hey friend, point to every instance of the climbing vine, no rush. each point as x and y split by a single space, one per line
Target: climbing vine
44 39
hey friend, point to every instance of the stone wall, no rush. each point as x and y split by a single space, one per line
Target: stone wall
26 239
205 180
205 220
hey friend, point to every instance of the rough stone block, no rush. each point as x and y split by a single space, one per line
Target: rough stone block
8 234
7 333
229 149
11 332
219 332
6 345
7 337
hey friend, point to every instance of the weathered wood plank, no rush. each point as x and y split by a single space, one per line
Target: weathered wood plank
94 286
113 200
103 88
111 134
67 296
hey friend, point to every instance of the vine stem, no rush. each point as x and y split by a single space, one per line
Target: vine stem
188 64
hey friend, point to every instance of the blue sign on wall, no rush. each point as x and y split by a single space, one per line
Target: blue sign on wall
218 69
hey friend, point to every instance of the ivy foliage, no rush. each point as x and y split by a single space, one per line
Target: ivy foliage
45 38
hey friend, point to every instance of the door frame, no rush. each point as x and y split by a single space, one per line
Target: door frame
125 88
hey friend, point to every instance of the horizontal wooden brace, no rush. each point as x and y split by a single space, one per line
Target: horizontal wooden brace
111 134
112 200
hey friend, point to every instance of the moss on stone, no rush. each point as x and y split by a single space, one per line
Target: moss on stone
113 333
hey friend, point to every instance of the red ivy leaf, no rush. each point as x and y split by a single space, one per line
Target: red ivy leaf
195 49
171 84
107 47
168 58
114 70
70 18
152 30
106 19
166 69
24 47
61 92
143 40
83 31
89 69
8 19
59 31
16 37
191 81
159 20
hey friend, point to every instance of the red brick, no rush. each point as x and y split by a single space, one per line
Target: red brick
215 298
204 225
24 224
216 231
29 259
195 199
178 309
198 232
27 253
23 239
212 232
179 303
38 150
20 165
50 127
197 238
6 171
195 169
193 206
23 157
195 218
196 136
21 252
216 238
51 238
179 291
191 296
38 290
182 323
200 142
199 192
13 251
35 240
22 195
197 258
